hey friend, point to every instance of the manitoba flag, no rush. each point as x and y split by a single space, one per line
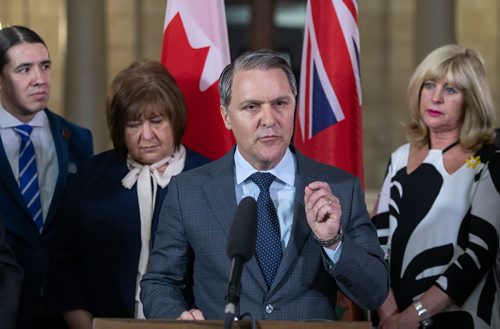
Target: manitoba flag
195 50
328 124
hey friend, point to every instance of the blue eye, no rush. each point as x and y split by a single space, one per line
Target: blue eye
450 91
429 85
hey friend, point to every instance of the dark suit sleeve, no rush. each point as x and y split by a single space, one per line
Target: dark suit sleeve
11 276
65 289
81 146
162 287
361 272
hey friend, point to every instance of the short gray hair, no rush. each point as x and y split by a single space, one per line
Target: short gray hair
263 59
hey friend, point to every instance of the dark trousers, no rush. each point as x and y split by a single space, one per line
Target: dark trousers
41 319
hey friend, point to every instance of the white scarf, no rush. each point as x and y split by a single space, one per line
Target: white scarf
146 195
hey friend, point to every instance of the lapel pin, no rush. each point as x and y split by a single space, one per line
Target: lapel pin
66 133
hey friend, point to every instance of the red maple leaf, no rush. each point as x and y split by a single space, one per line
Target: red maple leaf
205 132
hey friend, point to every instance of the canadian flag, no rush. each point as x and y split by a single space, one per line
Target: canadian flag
195 50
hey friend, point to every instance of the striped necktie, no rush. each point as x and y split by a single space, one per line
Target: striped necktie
268 246
28 177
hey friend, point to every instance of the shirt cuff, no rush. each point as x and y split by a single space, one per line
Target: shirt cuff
334 255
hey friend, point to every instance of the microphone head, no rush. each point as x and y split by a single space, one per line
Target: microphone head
243 233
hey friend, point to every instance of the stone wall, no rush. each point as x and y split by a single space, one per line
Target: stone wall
388 56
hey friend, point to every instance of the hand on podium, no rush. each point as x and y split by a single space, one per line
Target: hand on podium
192 314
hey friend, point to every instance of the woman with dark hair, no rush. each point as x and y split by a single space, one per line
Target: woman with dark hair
438 213
112 207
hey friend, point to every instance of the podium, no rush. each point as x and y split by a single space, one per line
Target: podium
105 323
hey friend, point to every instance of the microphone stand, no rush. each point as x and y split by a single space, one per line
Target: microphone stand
240 248
233 292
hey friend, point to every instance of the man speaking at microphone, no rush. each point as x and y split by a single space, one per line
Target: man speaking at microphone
314 235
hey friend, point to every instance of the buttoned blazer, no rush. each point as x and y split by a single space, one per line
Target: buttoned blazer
194 224
73 144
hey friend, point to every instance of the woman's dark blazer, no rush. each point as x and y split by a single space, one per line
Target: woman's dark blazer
95 255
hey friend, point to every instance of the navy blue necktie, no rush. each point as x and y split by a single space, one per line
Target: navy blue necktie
28 177
268 247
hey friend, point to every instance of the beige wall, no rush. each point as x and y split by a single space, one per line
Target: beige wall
388 54
134 30
388 57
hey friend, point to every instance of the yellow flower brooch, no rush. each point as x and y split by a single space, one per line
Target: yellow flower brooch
473 161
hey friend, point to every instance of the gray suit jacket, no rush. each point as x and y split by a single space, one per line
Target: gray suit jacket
194 225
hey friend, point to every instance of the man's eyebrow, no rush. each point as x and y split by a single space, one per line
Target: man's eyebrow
28 64
251 101
281 98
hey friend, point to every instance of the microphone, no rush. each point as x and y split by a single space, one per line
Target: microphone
240 248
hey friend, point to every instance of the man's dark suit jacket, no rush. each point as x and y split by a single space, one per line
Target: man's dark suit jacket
11 276
196 217
73 144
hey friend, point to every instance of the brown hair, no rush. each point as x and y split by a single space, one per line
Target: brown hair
144 88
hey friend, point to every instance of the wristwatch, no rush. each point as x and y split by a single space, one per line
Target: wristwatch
328 243
425 317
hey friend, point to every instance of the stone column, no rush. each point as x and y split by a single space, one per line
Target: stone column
262 26
85 76
435 25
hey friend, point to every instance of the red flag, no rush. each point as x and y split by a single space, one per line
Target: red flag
195 51
328 125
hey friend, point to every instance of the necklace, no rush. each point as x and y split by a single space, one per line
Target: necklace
447 148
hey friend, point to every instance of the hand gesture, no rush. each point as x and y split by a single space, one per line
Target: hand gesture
323 210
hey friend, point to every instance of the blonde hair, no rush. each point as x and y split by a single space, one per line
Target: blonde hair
464 68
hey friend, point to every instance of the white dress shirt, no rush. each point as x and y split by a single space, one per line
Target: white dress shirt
282 192
45 152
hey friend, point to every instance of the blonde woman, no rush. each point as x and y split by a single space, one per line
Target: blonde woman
438 213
